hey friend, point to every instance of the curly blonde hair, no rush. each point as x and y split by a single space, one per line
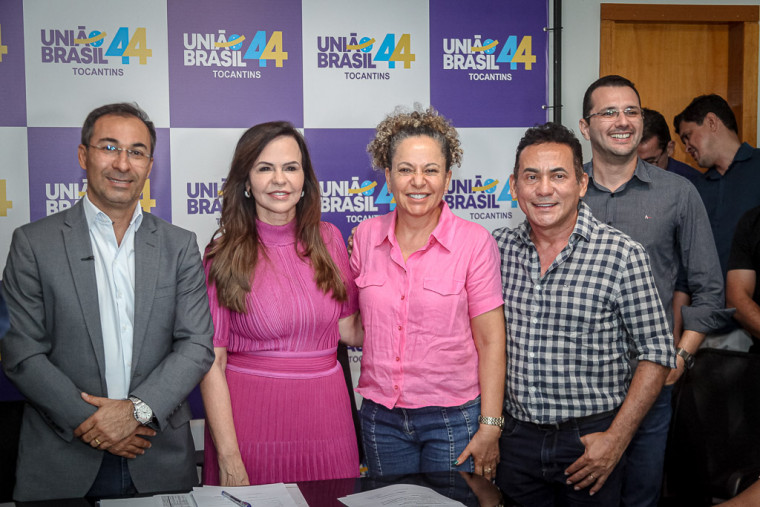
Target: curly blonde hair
402 124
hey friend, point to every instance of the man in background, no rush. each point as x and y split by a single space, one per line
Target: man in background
656 146
663 212
742 287
729 188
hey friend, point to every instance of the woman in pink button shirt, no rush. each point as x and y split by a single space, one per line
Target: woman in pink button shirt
433 365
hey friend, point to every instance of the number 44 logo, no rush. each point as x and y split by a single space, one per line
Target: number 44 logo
513 54
5 204
122 45
391 52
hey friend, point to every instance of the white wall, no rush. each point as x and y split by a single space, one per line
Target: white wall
580 52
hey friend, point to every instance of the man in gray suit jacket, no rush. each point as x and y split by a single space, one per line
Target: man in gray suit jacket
110 330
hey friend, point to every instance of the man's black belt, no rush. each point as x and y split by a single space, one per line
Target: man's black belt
577 421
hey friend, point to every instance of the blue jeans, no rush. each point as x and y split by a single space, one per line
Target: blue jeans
403 441
645 456
534 459
113 478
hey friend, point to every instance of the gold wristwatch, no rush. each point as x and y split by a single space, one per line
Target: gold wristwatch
492 421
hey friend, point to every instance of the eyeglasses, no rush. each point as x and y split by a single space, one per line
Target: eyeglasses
136 157
656 159
611 113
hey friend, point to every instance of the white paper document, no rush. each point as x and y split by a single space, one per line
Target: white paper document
178 500
267 495
398 495
294 492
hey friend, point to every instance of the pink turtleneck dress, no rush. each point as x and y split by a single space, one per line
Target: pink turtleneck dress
290 404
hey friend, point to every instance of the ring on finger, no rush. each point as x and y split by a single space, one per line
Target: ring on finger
97 442
592 476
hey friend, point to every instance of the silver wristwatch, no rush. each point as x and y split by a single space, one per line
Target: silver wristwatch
492 421
143 412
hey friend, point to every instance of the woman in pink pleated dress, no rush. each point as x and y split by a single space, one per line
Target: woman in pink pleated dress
281 296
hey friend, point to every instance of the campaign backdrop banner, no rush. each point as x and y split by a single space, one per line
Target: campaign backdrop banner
206 71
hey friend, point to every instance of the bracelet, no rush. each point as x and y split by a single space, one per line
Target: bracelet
492 421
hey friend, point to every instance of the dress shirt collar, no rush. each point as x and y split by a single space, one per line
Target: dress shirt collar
642 172
94 216
443 232
743 154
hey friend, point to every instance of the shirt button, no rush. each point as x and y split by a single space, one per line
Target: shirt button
400 328
402 297
531 355
538 286
534 320
398 358
533 389
395 387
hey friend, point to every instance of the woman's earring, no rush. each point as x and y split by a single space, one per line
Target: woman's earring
302 192
247 194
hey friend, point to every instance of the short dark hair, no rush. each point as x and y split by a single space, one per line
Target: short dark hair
118 109
611 80
551 132
700 106
655 126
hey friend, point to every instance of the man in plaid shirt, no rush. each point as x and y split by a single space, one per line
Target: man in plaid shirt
580 297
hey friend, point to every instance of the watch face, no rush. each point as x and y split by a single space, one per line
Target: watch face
688 359
143 413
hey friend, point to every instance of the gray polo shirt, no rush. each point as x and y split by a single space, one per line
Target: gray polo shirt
664 212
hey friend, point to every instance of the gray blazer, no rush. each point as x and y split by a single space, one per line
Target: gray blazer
54 351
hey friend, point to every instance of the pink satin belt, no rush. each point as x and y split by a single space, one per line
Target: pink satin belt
293 365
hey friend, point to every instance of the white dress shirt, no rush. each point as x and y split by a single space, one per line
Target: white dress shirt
115 276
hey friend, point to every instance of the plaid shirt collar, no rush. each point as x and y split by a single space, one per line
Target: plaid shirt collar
582 230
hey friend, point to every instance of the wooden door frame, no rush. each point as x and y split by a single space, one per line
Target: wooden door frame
742 21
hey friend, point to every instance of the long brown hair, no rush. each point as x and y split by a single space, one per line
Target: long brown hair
235 245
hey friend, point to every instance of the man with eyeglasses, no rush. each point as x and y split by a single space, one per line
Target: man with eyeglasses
110 330
663 212
656 146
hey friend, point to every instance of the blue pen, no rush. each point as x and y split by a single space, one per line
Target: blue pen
236 500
